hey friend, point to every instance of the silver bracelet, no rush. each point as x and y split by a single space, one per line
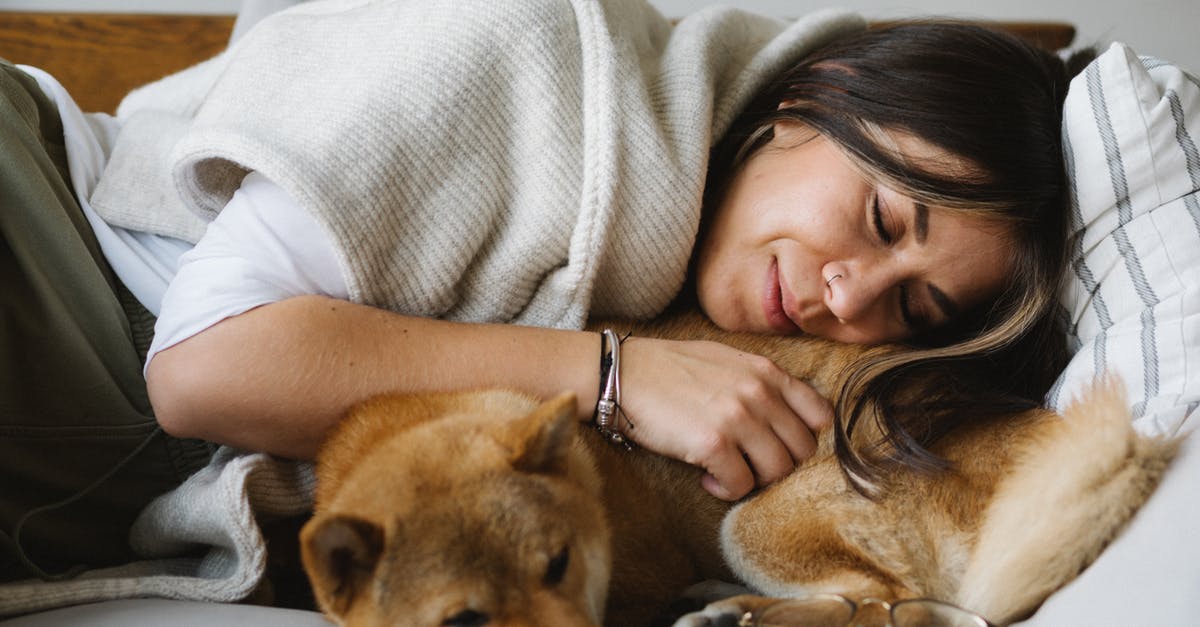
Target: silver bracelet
608 407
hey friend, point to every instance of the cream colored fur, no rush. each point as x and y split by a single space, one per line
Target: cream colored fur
1069 495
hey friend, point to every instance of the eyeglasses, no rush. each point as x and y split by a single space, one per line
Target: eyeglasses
835 610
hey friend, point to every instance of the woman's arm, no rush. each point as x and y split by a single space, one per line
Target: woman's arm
277 377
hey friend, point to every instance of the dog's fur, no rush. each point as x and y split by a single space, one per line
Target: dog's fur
492 508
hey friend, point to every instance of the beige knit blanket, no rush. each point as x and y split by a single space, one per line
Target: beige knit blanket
530 161
523 161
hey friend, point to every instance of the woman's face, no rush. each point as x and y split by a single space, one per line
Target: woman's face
798 214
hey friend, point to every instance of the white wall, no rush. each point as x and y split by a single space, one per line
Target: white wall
1164 28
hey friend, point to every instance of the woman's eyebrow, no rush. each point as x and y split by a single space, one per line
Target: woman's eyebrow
948 307
921 221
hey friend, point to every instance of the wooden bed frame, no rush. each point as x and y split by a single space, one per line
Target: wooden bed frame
99 57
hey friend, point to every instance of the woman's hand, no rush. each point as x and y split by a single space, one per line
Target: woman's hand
735 414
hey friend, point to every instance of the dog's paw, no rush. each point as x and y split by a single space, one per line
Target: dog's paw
710 617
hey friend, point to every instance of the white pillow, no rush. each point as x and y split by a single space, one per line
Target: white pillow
1131 131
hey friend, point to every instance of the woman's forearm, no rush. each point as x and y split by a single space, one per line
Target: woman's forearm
276 378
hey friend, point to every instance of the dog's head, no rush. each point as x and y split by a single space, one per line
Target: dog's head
478 517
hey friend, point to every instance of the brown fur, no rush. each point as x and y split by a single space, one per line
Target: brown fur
493 508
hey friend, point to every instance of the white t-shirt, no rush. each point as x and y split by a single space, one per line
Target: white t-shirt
262 248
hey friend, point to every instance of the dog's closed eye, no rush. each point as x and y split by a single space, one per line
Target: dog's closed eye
467 618
557 569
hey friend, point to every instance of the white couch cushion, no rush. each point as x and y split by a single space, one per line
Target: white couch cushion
159 612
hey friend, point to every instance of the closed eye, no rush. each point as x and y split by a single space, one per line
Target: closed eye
557 569
877 214
886 237
906 309
467 618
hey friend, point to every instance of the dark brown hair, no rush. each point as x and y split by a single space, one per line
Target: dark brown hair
995 102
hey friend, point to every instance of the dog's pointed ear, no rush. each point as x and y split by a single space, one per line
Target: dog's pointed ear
339 554
540 440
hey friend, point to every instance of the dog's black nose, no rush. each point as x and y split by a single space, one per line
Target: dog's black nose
467 618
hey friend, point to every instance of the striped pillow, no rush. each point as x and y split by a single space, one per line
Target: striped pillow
1131 130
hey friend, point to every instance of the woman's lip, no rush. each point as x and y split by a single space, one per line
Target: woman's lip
773 303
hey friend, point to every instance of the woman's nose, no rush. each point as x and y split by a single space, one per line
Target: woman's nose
854 294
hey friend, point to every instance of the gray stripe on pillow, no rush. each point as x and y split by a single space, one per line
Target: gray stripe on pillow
1099 354
1082 272
1190 154
1150 62
1153 63
1193 206
1149 362
1116 171
1133 265
1192 157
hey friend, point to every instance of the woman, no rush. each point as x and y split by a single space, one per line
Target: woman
842 221
901 212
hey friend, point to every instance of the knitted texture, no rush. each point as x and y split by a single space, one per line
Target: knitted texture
524 161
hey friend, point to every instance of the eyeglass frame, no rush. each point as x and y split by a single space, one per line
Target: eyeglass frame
751 617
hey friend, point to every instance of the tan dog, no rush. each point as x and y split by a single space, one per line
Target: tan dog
492 508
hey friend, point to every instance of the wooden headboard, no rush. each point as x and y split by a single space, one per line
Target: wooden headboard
99 57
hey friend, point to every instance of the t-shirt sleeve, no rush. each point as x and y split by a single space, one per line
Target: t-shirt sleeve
262 248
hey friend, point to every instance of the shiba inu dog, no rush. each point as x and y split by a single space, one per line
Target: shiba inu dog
494 508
